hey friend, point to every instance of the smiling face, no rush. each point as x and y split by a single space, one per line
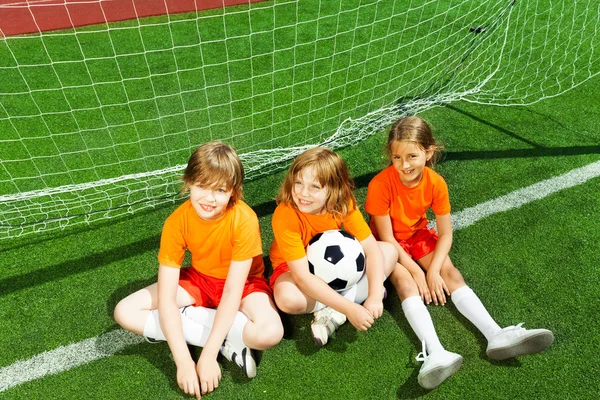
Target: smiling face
308 194
409 159
210 203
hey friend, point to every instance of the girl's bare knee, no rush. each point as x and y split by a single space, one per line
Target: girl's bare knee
405 285
289 303
273 333
120 313
452 277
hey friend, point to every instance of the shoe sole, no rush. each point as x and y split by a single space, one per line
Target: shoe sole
528 345
439 374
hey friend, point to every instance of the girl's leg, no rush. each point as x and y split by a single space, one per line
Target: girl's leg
438 363
289 298
415 311
512 341
465 300
137 313
263 329
359 292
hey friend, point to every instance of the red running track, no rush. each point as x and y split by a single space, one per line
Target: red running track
31 16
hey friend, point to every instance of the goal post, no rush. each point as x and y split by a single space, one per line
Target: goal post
98 121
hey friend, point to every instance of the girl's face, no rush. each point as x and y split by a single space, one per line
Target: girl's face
209 203
308 194
409 159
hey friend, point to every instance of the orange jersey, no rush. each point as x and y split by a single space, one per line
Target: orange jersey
293 230
406 206
235 236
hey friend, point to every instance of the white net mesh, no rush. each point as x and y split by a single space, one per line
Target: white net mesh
97 122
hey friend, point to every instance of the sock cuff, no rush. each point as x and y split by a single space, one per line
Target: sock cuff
412 302
461 293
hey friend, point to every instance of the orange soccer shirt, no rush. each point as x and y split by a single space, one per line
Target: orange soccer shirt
406 206
293 230
213 244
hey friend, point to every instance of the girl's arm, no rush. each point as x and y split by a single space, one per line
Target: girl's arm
444 243
208 368
375 275
436 283
317 289
383 224
170 323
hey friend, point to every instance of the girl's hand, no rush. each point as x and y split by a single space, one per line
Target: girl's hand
360 317
374 306
437 287
187 378
209 372
419 278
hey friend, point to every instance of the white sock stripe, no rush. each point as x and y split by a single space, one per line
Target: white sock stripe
73 355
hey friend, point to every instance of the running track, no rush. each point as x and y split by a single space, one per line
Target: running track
18 17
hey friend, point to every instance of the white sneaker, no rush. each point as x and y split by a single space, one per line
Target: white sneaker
514 341
244 357
324 323
437 367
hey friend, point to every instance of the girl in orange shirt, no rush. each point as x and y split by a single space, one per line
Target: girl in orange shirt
233 309
397 200
315 196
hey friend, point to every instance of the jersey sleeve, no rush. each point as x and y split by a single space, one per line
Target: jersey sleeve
441 198
172 244
378 198
356 224
288 234
247 242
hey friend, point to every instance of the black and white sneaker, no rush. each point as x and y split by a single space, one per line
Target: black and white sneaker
244 357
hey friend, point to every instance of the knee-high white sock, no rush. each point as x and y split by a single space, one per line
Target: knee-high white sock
236 332
195 330
469 305
420 321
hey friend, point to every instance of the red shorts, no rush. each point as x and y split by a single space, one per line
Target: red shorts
207 291
421 243
277 272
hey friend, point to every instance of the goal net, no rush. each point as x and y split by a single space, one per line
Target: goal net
98 121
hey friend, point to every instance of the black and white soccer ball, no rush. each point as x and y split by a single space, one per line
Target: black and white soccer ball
336 257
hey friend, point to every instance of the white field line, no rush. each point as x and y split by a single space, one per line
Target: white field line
107 344
66 357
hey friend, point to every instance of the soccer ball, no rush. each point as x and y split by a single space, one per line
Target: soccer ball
336 257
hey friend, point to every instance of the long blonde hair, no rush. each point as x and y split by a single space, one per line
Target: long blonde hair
215 164
331 172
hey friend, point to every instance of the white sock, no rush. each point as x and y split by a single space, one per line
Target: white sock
206 317
469 305
318 306
420 321
236 331
362 290
195 331
357 293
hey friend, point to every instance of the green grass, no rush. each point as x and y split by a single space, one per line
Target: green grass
537 264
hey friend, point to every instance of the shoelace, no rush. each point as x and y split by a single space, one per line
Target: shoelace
422 356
